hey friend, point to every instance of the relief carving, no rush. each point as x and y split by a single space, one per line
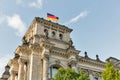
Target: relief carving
36 48
72 63
57 61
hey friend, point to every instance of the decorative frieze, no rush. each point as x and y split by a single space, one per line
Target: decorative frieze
59 52
55 26
46 45
57 61
91 62
72 51
72 63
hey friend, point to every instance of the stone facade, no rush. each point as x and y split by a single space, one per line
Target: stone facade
46 47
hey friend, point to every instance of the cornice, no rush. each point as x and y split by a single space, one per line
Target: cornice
90 68
72 51
59 52
23 50
63 52
36 47
53 25
57 40
46 45
43 38
91 62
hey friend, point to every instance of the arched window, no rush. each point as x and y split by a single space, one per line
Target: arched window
53 34
46 32
53 70
60 36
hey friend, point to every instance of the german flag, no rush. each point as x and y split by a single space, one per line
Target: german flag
52 17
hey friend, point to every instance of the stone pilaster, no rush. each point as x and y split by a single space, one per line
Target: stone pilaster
45 56
35 67
16 77
35 63
21 69
45 67
13 74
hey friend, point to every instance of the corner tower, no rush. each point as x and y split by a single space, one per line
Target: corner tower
46 47
57 34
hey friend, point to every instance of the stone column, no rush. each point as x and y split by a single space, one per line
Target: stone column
21 69
26 70
13 73
16 77
35 67
45 67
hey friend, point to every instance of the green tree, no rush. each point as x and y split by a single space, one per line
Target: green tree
69 74
110 73
82 76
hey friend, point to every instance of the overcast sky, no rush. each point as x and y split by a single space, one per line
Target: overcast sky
95 24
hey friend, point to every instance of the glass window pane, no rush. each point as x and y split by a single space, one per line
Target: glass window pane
95 78
54 71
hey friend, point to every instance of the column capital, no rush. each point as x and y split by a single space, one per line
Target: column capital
23 50
36 48
22 61
14 72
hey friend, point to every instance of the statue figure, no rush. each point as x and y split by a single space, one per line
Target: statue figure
71 42
24 40
46 33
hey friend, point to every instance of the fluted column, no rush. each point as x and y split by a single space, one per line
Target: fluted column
45 67
21 69
13 73
35 67
16 77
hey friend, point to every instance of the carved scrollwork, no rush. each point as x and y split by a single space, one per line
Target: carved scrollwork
72 63
22 61
86 71
57 61
23 50
14 72
36 48
97 74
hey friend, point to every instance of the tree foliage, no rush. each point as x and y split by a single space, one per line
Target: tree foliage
70 74
110 73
